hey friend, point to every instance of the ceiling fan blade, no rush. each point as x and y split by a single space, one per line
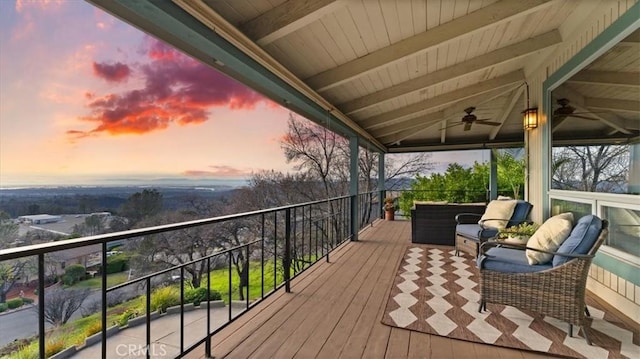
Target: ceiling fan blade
490 123
467 126
454 125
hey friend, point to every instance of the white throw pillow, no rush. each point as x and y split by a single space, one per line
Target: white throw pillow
549 237
498 213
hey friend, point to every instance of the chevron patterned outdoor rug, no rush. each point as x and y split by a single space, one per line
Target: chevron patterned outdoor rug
436 292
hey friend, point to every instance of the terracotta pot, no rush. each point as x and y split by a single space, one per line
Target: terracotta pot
389 215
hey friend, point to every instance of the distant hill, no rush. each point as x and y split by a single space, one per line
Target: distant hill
88 199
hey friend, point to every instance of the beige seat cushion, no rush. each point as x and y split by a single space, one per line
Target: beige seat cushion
498 213
549 237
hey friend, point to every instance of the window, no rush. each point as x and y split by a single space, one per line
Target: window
624 229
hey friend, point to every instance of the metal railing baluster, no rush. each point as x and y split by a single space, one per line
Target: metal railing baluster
230 285
181 309
41 303
148 319
207 345
246 263
103 276
275 250
287 250
262 259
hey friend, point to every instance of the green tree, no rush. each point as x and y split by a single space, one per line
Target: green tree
73 274
510 174
464 185
141 205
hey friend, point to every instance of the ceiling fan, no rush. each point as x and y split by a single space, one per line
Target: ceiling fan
470 118
565 110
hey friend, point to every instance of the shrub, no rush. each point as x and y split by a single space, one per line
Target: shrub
27 300
163 298
14 303
73 274
195 295
93 328
124 317
29 351
198 295
54 346
215 295
117 263
67 280
3 307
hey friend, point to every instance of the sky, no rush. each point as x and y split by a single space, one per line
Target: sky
84 95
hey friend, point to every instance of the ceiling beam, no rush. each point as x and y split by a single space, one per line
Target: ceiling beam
493 58
286 18
304 100
418 124
579 102
444 99
490 15
610 78
425 120
612 104
403 135
517 94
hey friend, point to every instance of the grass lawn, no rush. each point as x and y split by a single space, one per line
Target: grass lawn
220 280
96 283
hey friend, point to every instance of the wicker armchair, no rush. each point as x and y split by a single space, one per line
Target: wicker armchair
555 289
471 232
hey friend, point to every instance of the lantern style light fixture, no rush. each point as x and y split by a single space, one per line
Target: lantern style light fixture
530 116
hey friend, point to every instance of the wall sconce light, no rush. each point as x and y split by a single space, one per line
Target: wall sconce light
530 116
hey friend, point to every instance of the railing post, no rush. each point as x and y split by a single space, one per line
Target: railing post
353 186
381 181
354 217
287 250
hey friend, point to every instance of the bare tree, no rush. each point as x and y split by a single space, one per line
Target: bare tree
170 249
60 304
12 270
602 168
324 156
91 226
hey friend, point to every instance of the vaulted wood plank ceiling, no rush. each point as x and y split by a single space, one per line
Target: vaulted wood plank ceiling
404 71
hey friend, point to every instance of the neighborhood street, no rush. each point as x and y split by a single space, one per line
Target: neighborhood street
23 323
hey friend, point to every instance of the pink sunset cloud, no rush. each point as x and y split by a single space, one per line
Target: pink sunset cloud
220 171
117 72
177 89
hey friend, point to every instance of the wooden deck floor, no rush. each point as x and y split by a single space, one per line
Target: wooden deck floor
335 308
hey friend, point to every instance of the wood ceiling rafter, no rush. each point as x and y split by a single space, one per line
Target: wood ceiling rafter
444 99
490 15
609 78
515 97
396 138
612 104
493 58
287 18
389 134
424 120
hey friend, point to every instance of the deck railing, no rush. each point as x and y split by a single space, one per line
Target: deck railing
274 245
